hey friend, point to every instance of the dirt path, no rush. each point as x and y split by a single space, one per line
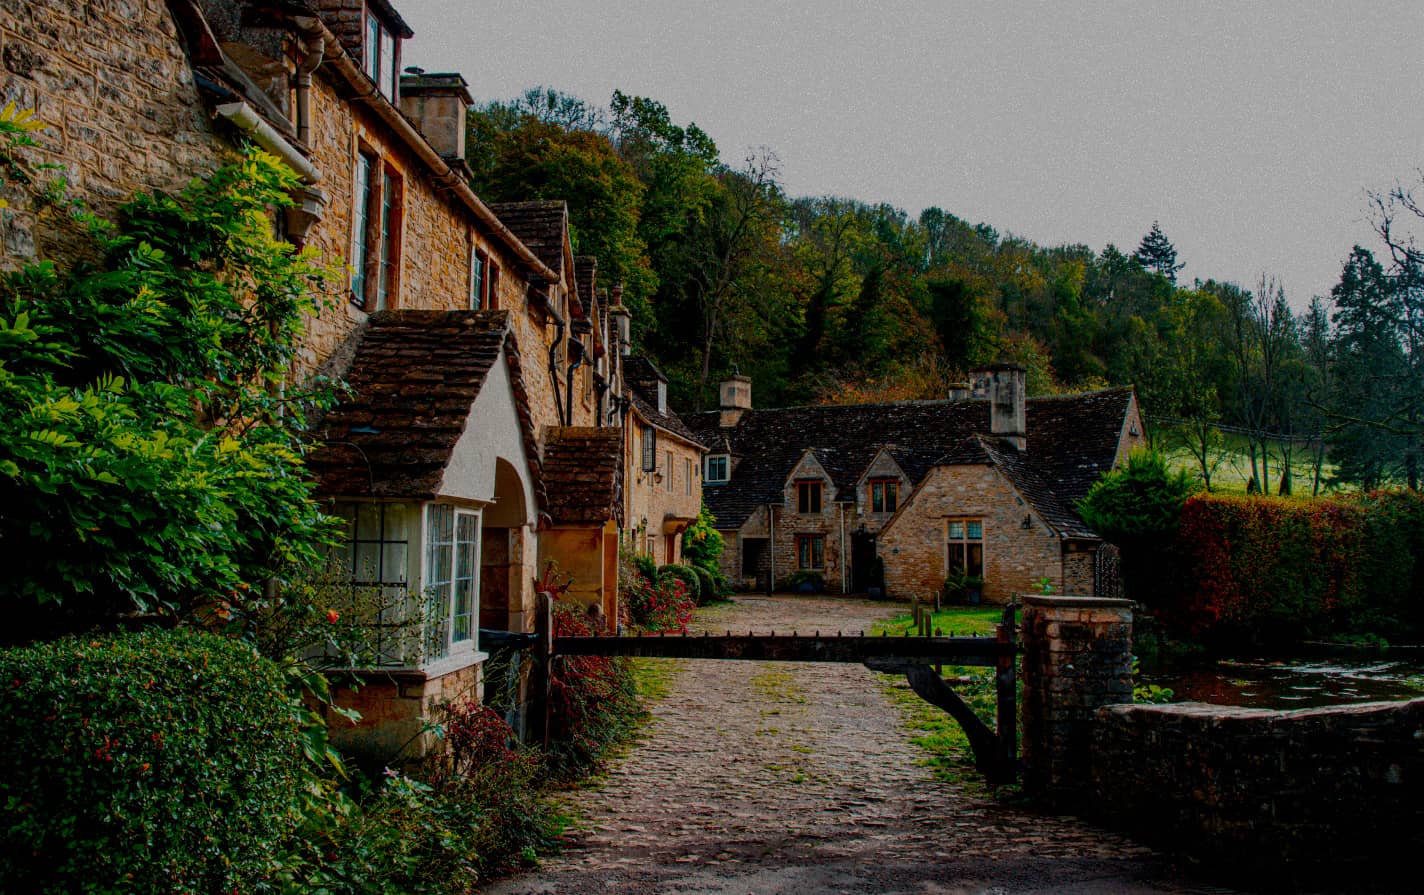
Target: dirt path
762 777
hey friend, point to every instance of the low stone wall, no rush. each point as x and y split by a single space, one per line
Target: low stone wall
1335 791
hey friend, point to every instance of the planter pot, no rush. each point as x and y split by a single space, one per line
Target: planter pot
806 587
973 596
874 593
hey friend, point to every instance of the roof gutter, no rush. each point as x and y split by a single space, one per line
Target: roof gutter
246 119
445 176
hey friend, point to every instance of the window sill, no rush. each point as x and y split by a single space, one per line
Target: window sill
457 661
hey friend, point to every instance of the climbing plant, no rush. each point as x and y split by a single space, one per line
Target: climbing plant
151 461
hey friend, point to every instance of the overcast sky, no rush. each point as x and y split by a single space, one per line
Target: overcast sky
1250 130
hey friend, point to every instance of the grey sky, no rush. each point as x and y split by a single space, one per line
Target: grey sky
1250 130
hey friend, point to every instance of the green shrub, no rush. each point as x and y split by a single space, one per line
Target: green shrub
690 582
155 762
709 587
1139 507
646 566
702 544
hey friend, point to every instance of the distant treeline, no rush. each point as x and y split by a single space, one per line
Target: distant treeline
828 299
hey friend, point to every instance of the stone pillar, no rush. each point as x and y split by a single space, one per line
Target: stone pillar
1077 658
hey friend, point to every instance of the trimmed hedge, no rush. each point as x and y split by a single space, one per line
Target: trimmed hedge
161 761
689 580
1269 569
709 588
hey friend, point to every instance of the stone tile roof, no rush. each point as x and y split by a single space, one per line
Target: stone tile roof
414 379
585 278
642 377
543 226
583 470
1071 441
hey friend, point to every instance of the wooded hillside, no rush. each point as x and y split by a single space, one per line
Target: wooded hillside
830 299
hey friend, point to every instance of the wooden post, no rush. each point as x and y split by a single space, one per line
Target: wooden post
543 663
1005 685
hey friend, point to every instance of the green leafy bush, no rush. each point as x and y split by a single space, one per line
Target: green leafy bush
690 582
149 464
1139 507
158 762
645 566
708 587
794 581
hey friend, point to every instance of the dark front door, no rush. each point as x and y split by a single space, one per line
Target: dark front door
862 561
756 562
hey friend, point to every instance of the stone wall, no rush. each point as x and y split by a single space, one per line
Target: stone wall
654 503
1077 659
1336 790
913 544
394 708
112 82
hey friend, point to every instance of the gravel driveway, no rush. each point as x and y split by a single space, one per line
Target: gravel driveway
759 777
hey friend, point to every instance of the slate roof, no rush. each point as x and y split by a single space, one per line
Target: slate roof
642 377
414 378
583 468
585 276
541 225
1071 441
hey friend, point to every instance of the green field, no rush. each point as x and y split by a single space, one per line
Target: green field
1231 465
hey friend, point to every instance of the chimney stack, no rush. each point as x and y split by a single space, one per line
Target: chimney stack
735 397
437 103
1005 387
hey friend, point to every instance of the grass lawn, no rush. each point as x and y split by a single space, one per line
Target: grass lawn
945 746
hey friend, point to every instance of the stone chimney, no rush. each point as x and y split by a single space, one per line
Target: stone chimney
437 103
735 397
1007 402
622 321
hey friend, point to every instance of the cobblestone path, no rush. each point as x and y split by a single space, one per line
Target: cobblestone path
758 777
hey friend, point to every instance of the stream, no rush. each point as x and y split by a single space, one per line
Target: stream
1291 683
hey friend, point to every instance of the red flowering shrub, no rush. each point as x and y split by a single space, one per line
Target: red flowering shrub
660 605
593 700
1265 569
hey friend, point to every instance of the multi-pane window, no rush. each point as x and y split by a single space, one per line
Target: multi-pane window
380 56
686 475
717 469
374 557
478 262
808 496
884 495
810 551
650 449
492 286
385 272
360 222
667 470
375 224
452 539
966 546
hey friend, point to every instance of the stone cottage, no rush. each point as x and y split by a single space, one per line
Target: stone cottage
663 466
475 346
984 484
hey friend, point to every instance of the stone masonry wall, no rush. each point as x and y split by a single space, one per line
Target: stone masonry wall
112 82
913 544
1336 790
649 501
1077 659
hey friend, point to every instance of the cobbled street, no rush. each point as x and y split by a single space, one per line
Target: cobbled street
758 777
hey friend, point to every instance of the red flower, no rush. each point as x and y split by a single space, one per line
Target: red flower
331 616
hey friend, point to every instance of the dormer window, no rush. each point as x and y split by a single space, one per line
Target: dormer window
808 496
380 55
662 396
718 469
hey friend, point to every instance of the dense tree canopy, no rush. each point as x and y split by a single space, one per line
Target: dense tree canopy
827 298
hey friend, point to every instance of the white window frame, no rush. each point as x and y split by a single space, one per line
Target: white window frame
458 654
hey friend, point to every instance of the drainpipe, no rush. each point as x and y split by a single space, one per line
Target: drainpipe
771 548
845 579
554 364
246 119
313 45
577 350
